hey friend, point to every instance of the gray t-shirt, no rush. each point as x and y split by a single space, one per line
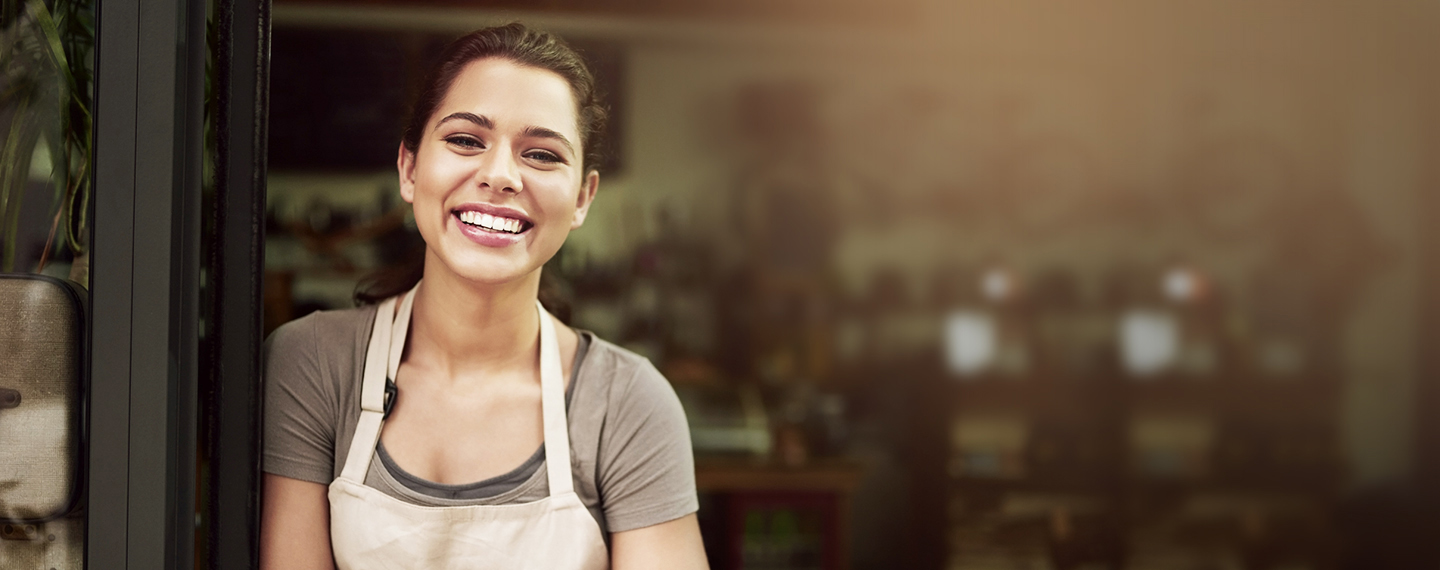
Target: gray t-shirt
630 446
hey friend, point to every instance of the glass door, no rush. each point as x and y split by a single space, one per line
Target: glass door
129 199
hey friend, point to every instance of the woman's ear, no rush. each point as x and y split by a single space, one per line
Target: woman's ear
585 198
405 165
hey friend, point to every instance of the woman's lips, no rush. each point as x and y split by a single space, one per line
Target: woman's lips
488 238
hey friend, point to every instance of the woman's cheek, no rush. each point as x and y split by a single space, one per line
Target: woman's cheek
430 214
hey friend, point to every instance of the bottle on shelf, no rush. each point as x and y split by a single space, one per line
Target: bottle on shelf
1169 325
988 327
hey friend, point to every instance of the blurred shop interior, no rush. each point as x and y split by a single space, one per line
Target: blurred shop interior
965 284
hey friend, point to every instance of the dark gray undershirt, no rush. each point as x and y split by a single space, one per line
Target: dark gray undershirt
494 485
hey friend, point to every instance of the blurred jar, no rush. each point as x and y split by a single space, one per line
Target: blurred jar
989 327
1169 324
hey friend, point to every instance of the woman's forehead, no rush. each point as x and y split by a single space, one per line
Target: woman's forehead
512 97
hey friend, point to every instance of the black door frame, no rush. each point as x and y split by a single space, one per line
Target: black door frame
146 318
233 398
144 284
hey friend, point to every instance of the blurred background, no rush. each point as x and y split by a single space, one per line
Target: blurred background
968 284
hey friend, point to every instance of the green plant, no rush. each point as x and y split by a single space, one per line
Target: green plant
46 53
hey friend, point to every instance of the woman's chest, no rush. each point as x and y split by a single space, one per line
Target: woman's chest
457 438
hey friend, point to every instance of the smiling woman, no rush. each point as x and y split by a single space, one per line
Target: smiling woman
421 433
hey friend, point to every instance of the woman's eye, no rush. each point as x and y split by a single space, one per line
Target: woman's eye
544 156
465 142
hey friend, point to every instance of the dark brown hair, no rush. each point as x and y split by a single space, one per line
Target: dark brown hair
524 46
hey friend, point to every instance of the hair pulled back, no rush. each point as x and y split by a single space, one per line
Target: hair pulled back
524 46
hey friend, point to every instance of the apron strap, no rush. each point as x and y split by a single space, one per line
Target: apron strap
397 339
382 359
552 408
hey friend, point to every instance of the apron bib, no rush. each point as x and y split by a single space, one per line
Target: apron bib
370 530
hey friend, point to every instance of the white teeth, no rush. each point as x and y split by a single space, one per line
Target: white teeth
490 222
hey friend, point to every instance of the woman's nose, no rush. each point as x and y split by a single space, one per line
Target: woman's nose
498 170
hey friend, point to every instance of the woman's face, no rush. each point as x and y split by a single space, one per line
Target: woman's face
497 182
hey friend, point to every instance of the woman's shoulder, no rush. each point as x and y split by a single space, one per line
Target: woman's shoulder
627 380
616 365
323 330
611 351
328 325
319 344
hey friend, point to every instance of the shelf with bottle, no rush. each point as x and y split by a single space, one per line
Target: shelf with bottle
1161 338
1207 425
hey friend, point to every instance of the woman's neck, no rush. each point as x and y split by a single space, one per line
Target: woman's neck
459 327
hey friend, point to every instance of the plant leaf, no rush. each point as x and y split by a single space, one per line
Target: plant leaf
10 154
56 50
25 132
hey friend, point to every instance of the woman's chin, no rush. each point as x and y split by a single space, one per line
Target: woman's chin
489 270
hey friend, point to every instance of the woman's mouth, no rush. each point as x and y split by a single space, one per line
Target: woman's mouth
489 223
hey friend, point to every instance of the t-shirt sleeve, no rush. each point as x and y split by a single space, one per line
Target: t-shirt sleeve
299 413
646 470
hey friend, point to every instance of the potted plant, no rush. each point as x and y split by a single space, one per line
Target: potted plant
46 50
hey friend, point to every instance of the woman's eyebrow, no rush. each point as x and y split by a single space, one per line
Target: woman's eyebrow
544 133
480 120
483 121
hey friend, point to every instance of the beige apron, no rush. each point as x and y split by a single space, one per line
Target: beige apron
372 530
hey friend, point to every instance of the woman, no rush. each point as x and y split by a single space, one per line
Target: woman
421 433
